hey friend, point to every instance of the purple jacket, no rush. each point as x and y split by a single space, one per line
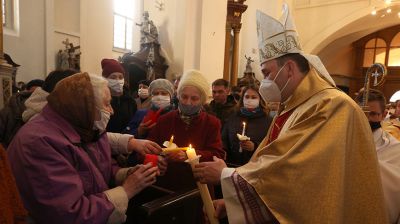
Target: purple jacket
57 180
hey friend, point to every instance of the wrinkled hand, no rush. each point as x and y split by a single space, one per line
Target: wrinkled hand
144 127
209 172
247 145
179 156
142 177
162 165
143 146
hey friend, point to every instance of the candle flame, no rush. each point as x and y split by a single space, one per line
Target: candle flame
171 139
190 146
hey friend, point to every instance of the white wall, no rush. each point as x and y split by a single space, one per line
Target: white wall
248 33
27 48
96 27
191 32
213 39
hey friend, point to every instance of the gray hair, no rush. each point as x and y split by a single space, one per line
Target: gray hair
98 84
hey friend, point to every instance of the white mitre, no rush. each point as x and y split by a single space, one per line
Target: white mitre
278 38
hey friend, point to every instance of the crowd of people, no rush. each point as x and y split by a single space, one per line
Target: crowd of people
74 147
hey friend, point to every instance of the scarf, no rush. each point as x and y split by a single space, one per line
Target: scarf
73 99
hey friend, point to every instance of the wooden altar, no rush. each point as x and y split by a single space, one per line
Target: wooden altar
7 71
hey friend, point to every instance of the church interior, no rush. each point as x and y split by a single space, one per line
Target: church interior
163 39
192 34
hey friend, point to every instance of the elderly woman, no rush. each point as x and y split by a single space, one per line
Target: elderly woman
161 91
63 168
189 125
252 111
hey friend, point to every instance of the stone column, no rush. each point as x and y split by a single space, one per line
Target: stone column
227 51
235 56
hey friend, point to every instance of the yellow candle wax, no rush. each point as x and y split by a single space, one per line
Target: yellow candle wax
191 153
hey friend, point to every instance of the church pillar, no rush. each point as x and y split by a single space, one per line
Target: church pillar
235 56
233 21
227 51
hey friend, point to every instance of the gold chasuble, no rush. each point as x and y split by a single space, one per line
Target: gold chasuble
322 167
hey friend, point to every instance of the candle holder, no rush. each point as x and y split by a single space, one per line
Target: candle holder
204 193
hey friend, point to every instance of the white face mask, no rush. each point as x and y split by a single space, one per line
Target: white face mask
116 85
143 93
270 91
251 103
161 101
101 125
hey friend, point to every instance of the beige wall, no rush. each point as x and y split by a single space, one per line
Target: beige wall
27 45
248 33
191 32
97 33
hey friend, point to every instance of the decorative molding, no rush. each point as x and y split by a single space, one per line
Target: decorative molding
302 4
68 33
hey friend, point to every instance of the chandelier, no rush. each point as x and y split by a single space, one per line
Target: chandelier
387 8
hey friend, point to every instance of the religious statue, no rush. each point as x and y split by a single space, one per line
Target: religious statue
248 65
148 30
68 58
249 76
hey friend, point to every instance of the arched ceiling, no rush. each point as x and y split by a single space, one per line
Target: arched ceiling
358 29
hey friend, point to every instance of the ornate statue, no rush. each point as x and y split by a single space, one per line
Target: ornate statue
249 77
148 30
248 65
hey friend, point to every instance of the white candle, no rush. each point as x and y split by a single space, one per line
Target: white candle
191 153
244 128
204 193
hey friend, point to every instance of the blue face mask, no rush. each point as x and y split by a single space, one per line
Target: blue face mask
189 110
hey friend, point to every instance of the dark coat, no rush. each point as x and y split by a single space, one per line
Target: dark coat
11 117
124 108
222 111
256 128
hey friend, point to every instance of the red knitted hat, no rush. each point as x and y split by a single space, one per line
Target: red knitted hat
110 66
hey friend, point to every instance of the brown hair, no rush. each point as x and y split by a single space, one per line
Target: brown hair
374 95
221 82
263 105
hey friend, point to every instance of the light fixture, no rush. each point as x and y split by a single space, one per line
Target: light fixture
384 7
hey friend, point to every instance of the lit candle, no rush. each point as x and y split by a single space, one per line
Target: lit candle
244 128
191 153
171 140
193 159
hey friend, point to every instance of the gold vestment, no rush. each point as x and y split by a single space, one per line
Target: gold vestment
323 167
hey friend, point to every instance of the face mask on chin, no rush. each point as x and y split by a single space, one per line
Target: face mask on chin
101 125
116 85
270 91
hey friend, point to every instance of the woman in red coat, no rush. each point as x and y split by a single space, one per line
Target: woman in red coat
189 124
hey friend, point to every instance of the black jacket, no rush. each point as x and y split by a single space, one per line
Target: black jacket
11 117
256 128
124 107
